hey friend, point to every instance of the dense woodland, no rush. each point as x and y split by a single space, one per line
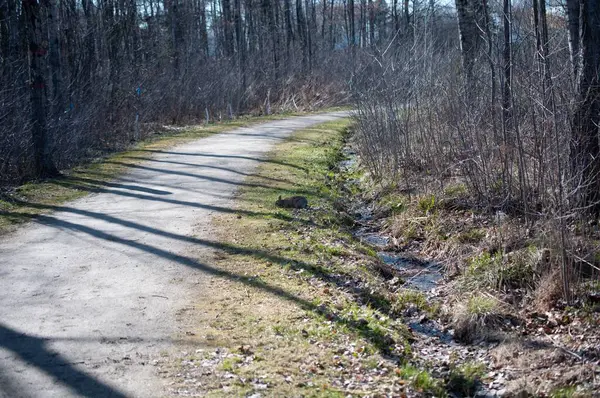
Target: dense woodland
503 94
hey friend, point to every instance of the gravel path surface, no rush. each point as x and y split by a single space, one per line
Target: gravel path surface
93 293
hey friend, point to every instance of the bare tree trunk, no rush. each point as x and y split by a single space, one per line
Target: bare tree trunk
44 166
227 28
203 27
90 44
331 26
301 29
493 88
395 18
406 16
351 23
241 42
270 11
4 34
323 20
289 30
251 26
371 23
471 16
573 16
58 97
309 35
507 52
585 150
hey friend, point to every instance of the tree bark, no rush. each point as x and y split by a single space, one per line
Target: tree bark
351 23
302 34
227 27
372 26
240 35
585 149
44 166
58 96
507 55
573 18
471 15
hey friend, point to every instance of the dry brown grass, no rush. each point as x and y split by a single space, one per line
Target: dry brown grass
542 367
548 291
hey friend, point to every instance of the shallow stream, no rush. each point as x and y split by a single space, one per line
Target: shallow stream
418 274
436 344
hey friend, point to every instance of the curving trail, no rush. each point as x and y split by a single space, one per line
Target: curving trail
92 293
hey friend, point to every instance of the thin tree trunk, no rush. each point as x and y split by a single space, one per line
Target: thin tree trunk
351 23
507 53
241 42
289 30
203 31
493 89
573 17
301 29
372 27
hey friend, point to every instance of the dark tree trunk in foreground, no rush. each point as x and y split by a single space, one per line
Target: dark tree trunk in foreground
44 167
585 149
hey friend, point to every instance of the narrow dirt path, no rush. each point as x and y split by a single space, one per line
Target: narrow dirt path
93 293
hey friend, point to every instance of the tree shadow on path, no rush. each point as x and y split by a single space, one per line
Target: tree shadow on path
378 338
214 155
34 352
204 166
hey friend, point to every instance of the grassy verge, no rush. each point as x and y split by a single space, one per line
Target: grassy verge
26 201
307 315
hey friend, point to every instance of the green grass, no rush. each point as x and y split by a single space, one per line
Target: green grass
229 364
487 271
395 202
427 204
472 236
565 392
456 190
409 297
422 381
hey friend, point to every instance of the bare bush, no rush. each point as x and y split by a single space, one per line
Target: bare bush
498 117
82 77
